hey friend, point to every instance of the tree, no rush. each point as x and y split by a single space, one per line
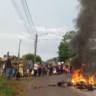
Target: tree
54 60
30 56
65 51
69 35
38 58
14 57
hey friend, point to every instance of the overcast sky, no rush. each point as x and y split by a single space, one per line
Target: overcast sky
54 17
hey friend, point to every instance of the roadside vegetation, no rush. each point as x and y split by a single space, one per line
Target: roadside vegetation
6 89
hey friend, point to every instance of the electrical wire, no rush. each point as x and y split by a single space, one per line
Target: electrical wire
26 10
28 15
21 16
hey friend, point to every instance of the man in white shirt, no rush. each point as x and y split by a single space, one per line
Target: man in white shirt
35 69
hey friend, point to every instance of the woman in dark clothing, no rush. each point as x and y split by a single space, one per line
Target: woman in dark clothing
57 70
39 70
51 70
70 68
8 67
44 71
61 68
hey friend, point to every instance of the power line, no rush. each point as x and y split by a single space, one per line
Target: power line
30 16
48 41
24 2
26 9
25 5
21 16
26 14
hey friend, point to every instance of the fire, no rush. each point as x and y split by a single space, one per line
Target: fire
91 80
78 77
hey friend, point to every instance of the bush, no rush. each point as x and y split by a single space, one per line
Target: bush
5 89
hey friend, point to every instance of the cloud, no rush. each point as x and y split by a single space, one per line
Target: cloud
6 35
48 42
48 33
60 31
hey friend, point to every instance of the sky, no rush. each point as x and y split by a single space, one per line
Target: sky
52 19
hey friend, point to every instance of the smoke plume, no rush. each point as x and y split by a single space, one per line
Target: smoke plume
82 43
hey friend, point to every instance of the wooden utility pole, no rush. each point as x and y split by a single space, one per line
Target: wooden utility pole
19 55
7 55
19 49
35 47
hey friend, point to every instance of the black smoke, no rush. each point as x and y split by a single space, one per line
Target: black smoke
83 43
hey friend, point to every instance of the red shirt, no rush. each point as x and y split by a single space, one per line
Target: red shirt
40 66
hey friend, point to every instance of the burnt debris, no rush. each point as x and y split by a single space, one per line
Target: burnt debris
80 85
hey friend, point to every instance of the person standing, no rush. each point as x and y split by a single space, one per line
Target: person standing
51 70
67 69
70 69
0 62
39 69
64 68
54 70
21 68
1 66
35 69
61 68
7 68
44 71
48 71
29 68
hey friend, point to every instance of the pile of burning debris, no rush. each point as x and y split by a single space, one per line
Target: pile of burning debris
79 81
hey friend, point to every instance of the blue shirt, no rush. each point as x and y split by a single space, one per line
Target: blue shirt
29 65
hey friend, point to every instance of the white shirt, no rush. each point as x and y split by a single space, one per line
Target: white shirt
63 67
35 66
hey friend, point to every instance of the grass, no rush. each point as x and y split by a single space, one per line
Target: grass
13 87
6 89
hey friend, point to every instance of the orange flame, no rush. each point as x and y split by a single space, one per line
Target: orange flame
78 77
91 80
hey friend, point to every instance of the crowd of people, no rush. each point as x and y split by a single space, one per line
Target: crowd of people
11 67
37 69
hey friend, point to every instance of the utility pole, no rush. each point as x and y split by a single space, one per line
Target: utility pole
19 49
19 55
7 55
35 47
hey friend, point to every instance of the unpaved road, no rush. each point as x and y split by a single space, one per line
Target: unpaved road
48 90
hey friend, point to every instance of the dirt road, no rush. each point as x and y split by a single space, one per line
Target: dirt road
50 91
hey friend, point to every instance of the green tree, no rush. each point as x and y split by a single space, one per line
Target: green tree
30 56
52 59
65 51
14 57
38 58
69 35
